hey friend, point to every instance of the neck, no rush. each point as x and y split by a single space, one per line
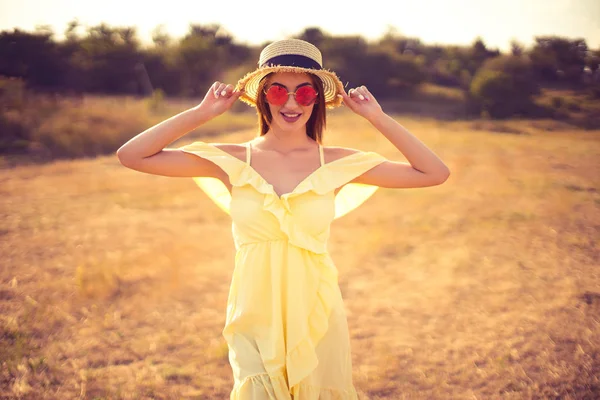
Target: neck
288 139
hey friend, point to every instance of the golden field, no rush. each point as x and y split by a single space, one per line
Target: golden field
114 283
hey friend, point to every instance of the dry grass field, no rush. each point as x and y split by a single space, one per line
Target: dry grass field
113 283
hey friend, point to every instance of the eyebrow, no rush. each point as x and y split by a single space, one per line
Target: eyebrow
299 86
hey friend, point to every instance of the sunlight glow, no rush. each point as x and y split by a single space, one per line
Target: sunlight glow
433 21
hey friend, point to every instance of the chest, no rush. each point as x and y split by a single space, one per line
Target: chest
308 212
284 175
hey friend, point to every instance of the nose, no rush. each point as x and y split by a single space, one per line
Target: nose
291 101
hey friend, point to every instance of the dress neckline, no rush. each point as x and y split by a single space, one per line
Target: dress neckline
248 146
299 185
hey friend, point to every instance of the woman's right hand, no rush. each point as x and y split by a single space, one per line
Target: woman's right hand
219 98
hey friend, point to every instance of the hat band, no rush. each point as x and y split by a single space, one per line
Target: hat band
292 60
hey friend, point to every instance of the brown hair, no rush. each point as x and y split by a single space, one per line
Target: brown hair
317 121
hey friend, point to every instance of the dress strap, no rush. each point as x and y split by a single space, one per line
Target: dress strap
321 157
248 153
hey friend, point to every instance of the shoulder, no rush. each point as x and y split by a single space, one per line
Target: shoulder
332 153
236 150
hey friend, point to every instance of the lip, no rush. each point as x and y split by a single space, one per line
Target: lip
290 120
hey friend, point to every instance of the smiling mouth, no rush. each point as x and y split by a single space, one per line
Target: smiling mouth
290 117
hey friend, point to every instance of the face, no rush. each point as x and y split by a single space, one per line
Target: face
290 115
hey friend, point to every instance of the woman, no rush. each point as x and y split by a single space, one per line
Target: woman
285 325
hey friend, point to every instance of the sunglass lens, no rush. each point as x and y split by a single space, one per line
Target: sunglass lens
276 95
306 95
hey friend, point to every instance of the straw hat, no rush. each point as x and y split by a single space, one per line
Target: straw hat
291 55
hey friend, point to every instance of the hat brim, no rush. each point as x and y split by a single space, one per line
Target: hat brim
332 86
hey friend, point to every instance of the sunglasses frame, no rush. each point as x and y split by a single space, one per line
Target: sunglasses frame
294 94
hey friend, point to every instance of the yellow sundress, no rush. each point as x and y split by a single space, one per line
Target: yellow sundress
286 328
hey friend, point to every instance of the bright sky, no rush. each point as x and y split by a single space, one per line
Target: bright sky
433 21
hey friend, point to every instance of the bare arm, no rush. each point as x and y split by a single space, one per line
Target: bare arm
146 152
425 168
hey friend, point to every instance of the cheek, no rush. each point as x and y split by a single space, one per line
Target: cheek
308 112
274 110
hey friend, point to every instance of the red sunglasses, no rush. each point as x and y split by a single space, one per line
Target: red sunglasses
277 95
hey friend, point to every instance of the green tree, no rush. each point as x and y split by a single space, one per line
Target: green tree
391 74
313 35
592 60
33 57
105 60
477 55
516 48
504 86
559 59
346 55
204 55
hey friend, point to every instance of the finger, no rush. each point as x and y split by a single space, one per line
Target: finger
356 94
227 91
343 94
347 99
223 90
365 92
215 88
220 89
233 96
362 93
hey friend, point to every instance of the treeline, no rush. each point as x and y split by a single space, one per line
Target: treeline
112 60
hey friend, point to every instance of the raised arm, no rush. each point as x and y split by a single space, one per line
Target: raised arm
146 152
425 168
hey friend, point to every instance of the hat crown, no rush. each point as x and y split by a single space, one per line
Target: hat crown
294 56
290 47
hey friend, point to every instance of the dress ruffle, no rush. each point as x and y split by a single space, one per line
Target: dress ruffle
273 387
322 181
279 208
300 354
301 357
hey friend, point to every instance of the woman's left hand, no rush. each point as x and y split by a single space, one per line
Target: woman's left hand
362 102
